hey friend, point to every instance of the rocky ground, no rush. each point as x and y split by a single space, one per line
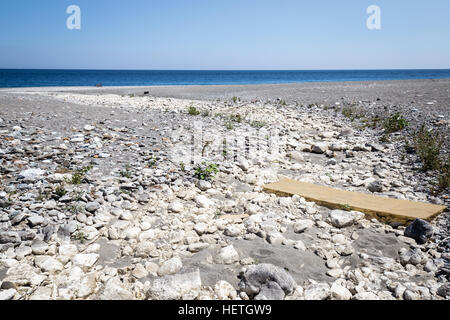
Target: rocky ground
117 196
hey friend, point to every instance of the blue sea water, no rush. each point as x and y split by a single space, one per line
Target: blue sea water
10 78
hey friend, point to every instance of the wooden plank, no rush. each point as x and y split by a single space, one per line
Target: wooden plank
382 208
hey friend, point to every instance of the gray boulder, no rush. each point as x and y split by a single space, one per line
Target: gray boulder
444 290
266 281
9 237
420 230
375 186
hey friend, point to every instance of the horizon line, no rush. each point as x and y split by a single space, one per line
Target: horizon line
104 69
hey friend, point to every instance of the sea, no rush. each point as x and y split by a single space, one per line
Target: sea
16 78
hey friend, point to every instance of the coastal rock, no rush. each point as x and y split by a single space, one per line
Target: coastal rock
7 294
375 186
170 267
175 286
320 291
420 230
115 290
339 292
225 291
48 264
301 225
319 148
85 260
32 175
228 255
266 281
342 219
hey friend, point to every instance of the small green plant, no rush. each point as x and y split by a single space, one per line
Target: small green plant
229 125
153 162
78 195
394 123
352 112
74 209
60 191
43 195
182 166
235 99
385 138
236 118
78 177
79 235
206 171
257 124
346 207
428 147
126 173
443 179
193 111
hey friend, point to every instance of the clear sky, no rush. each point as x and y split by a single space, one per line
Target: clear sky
225 34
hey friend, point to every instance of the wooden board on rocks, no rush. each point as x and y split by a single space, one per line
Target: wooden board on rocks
382 208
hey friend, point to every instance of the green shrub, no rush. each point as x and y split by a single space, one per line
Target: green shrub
60 191
193 111
443 178
428 148
352 112
236 118
395 123
206 171
78 177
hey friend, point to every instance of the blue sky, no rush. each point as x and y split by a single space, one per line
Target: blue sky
225 34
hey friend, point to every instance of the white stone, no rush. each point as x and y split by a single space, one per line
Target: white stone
225 291
170 267
302 225
85 260
366 296
32 174
48 264
339 292
68 250
341 218
87 286
115 290
275 237
7 294
320 291
233 230
300 245
203 202
176 207
201 228
228 255
139 271
132 233
176 286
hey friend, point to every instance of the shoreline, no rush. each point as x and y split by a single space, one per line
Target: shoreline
280 84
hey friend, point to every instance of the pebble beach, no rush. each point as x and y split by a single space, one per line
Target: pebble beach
157 192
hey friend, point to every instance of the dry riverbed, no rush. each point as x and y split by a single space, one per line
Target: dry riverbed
119 196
